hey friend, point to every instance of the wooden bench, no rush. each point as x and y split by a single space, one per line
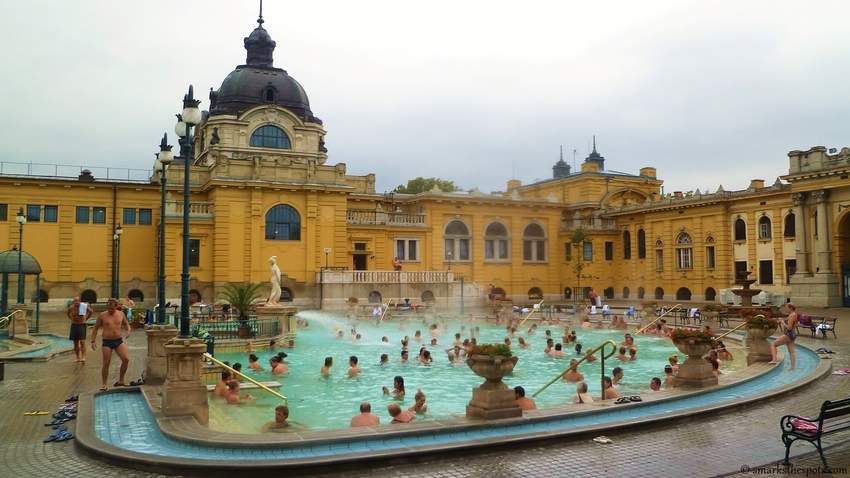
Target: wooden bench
834 417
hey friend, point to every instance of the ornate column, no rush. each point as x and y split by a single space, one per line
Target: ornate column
185 392
802 237
821 196
156 363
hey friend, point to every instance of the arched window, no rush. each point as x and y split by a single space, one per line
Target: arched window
88 296
684 251
43 296
710 294
641 293
375 297
659 293
269 94
683 294
195 295
627 245
641 244
283 223
764 228
534 243
285 295
457 241
496 245
790 225
710 260
270 137
535 293
608 293
427 296
626 292
568 293
740 230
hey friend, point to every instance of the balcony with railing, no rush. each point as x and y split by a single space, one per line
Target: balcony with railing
591 224
377 217
197 209
331 276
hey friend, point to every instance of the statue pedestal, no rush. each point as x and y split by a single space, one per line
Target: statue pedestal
285 315
20 325
185 392
493 404
759 347
694 371
156 363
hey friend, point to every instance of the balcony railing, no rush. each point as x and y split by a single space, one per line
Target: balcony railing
372 217
383 277
589 224
197 209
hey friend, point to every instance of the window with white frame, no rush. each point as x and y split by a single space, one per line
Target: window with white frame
684 251
534 243
407 249
659 259
588 251
496 242
457 239
764 228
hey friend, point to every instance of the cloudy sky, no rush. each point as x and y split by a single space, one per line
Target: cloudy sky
477 92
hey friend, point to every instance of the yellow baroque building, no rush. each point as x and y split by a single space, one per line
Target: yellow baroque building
261 186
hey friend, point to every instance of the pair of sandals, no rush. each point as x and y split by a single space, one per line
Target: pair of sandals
603 439
33 413
62 435
633 398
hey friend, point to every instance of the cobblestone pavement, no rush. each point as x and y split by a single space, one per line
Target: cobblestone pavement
712 446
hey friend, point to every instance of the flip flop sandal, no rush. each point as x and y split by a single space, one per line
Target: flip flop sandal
103 388
72 399
603 440
33 413
64 436
119 384
622 400
635 398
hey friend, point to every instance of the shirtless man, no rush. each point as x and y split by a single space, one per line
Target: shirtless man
220 390
112 321
573 375
622 355
618 375
366 417
326 370
78 327
524 402
354 368
558 352
282 423
278 368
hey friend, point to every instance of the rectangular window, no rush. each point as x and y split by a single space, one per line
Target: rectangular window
82 215
495 249
790 269
659 259
4 212
98 215
709 257
129 216
463 245
33 213
534 250
407 249
51 213
449 252
685 258
765 272
145 217
609 251
588 251
194 253
541 250
568 251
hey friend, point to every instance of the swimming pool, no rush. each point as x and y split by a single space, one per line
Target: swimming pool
329 402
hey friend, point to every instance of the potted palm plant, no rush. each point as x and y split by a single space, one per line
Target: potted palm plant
241 298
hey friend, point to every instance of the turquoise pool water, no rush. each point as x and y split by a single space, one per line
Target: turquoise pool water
330 402
58 344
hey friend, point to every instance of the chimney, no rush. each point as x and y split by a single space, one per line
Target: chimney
756 184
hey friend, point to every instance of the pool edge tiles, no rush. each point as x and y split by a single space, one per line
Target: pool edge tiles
299 452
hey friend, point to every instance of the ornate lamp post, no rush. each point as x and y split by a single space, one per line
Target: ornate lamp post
117 238
449 255
22 219
163 159
190 117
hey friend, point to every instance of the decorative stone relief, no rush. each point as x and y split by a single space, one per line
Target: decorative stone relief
798 198
820 195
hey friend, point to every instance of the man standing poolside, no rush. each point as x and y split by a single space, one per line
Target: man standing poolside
79 314
112 321
366 417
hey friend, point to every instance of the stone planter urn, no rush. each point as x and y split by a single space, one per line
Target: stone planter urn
493 399
759 347
710 318
649 312
694 371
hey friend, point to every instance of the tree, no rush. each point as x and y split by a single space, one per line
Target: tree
421 185
577 240
240 297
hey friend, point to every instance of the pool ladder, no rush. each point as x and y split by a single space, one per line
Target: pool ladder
7 319
575 366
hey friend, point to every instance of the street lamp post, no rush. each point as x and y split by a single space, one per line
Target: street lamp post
117 238
449 255
190 117
163 159
22 219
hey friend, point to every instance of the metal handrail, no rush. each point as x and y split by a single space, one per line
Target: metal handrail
532 311
675 308
7 319
217 362
574 366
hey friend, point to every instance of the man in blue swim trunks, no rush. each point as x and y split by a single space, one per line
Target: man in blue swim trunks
78 314
112 321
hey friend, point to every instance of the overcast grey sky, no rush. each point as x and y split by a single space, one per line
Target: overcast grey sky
477 92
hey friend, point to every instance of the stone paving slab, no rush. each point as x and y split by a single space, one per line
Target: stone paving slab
714 446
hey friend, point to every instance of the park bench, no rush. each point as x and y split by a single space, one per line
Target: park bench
834 417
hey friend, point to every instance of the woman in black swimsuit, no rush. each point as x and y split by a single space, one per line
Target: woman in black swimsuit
788 336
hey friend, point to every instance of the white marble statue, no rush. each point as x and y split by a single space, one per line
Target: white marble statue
275 295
